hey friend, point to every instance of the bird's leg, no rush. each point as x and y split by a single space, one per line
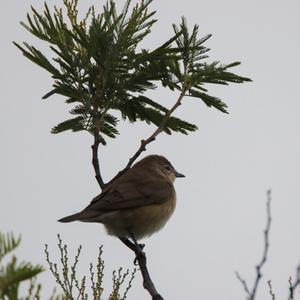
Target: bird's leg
139 253
128 243
141 246
136 248
131 245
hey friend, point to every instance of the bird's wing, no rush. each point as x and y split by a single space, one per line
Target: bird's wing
133 191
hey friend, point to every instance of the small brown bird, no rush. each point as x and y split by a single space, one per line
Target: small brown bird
137 204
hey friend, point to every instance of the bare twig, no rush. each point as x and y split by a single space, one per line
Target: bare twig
251 294
293 285
151 138
271 290
243 282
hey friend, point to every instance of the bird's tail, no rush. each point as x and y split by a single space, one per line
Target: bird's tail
71 218
83 216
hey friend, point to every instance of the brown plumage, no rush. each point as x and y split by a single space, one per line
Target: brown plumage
140 202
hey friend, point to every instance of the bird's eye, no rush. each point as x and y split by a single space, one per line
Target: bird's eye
168 168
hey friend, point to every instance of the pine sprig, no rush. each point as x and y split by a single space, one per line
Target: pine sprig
8 243
97 65
13 272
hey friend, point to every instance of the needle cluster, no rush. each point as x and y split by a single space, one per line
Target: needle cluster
98 65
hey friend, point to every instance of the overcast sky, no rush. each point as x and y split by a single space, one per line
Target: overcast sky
229 163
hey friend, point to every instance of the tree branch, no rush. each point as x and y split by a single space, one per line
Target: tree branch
97 140
151 138
95 159
251 294
140 256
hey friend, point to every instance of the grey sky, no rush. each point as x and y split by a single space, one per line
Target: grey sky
229 163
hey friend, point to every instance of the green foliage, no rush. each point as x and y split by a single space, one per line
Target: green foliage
8 243
13 273
74 288
98 65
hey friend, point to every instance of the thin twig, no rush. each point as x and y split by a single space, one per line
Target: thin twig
151 138
95 146
142 261
271 290
293 285
244 283
251 294
96 131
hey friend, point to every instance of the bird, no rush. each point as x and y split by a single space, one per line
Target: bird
137 204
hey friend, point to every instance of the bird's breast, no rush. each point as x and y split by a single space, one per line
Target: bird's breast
141 221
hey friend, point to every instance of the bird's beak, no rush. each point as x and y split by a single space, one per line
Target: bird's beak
177 174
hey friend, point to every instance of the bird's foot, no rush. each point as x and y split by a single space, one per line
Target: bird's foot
142 246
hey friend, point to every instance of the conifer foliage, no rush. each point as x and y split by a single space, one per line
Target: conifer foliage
100 68
12 272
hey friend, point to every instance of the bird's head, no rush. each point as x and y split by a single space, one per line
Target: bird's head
161 164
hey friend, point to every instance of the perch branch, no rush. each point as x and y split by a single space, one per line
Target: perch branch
140 256
251 294
151 138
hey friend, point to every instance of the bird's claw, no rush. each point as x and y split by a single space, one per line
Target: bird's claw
142 246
